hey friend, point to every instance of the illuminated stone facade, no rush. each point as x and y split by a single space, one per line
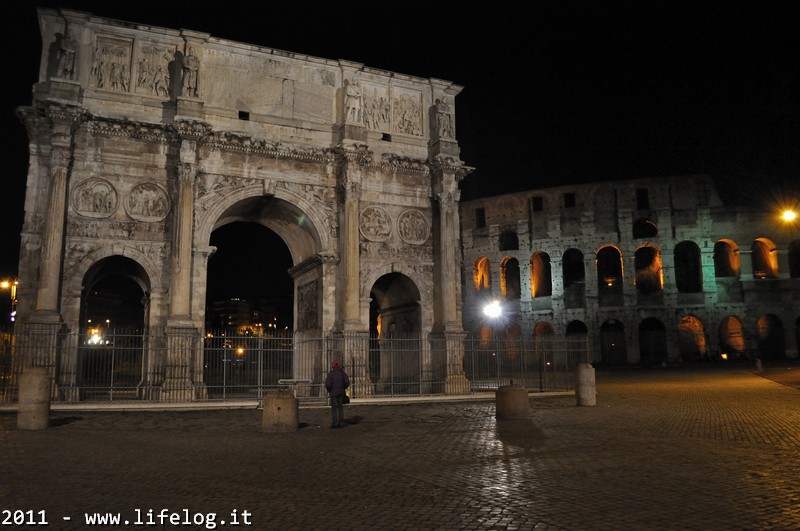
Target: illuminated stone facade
650 271
144 140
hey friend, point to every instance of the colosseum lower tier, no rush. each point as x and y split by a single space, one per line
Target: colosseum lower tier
648 271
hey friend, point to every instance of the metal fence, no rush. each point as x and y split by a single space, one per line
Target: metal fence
134 365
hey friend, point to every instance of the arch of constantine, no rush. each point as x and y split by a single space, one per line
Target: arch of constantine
144 140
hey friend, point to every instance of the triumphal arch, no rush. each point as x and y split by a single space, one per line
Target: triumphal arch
144 140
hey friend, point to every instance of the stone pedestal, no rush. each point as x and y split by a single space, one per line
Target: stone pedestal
585 391
33 412
511 402
281 412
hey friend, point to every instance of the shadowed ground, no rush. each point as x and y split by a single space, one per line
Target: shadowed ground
706 447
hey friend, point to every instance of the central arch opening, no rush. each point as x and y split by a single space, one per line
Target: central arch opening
248 280
248 310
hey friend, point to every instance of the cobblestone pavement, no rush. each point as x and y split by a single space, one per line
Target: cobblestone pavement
703 449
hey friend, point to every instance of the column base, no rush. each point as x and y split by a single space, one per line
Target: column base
457 385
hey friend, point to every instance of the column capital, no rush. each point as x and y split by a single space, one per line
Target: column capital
444 167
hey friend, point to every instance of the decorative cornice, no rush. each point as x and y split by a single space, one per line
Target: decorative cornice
445 164
312 263
245 144
404 164
126 128
192 129
355 153
201 132
61 112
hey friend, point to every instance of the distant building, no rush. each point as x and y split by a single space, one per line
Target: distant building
231 313
237 313
649 270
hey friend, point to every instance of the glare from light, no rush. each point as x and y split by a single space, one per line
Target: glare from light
492 310
789 215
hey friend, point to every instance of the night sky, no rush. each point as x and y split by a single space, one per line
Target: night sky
554 92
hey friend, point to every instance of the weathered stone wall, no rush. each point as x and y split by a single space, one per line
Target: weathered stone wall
144 140
679 220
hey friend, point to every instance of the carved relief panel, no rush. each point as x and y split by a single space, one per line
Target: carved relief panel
413 230
375 224
308 306
94 198
392 109
111 65
153 74
407 111
413 227
147 202
377 109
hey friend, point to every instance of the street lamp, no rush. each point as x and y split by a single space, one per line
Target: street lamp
11 285
493 310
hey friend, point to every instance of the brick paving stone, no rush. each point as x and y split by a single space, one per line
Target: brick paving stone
674 448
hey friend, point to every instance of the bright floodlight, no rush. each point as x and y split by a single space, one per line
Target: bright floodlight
492 310
789 215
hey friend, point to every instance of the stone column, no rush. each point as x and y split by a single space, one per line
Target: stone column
447 266
182 336
350 236
153 357
355 356
557 283
40 337
181 278
64 121
745 264
181 347
455 380
784 266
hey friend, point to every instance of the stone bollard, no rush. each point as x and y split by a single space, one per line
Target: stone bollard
759 367
585 386
511 402
281 412
33 411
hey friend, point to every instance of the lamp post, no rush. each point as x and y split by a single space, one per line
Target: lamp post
493 311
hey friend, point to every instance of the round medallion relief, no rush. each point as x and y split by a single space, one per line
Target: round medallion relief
147 202
413 227
94 198
375 224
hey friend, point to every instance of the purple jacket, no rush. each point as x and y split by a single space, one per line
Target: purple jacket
337 381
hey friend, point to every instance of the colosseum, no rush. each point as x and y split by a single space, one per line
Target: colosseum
649 271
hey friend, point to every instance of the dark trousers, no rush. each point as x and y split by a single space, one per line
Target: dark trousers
337 411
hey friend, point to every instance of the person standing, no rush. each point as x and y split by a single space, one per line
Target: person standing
336 383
